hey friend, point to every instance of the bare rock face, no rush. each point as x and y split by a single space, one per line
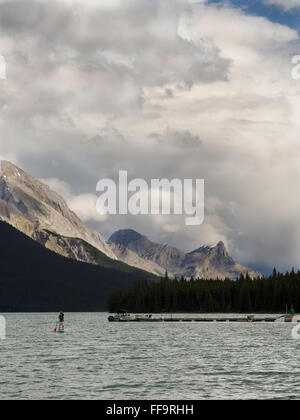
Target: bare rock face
215 262
205 262
32 207
131 258
164 256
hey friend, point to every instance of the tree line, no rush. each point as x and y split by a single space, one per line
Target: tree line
246 295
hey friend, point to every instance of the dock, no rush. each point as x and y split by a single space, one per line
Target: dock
198 319
124 316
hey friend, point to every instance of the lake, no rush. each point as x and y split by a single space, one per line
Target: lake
96 359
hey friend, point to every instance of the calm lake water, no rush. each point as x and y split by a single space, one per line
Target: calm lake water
100 360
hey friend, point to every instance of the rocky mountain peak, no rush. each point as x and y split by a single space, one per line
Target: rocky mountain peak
11 172
164 256
9 169
37 203
204 262
218 249
221 249
125 237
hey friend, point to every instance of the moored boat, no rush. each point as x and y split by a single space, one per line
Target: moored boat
123 315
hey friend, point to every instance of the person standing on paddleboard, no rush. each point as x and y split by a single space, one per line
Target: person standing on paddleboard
61 318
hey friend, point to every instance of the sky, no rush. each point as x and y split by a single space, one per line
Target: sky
162 88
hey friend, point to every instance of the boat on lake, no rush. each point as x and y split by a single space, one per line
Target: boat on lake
123 315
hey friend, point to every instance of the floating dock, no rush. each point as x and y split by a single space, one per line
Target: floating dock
248 319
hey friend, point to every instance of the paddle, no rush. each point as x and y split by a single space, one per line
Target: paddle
55 329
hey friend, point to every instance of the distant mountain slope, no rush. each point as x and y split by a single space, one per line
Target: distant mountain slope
163 256
133 259
29 200
205 262
32 278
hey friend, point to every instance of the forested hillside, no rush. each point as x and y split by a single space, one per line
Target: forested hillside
270 294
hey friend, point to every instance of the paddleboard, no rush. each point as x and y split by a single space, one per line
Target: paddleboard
59 331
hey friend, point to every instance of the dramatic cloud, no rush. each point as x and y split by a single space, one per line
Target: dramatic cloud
160 88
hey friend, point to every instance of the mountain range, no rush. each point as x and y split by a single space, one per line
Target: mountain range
34 209
205 262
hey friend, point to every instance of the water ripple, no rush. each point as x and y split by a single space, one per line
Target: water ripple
99 360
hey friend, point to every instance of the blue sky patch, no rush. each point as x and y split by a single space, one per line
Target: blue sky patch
274 13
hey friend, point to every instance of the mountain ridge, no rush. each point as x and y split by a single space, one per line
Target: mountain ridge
29 201
203 262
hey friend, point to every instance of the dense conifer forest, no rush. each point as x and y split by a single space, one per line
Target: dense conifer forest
270 295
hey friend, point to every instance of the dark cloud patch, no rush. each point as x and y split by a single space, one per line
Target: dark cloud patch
169 93
21 17
184 139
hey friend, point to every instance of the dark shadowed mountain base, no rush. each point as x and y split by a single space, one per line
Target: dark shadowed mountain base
34 279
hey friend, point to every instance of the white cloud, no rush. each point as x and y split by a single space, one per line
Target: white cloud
84 205
61 187
284 4
171 228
